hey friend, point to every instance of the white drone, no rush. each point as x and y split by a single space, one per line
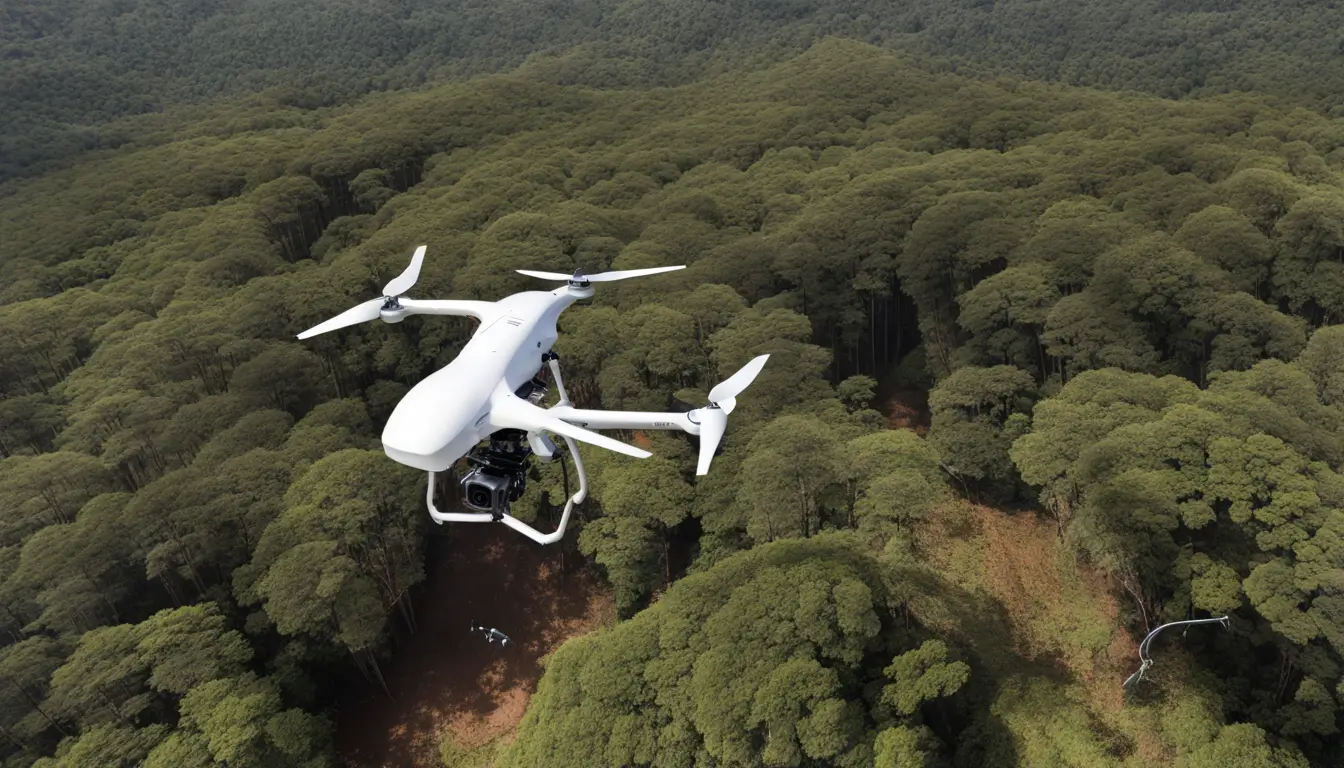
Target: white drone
492 391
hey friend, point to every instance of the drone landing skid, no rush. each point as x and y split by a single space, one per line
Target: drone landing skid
507 519
510 520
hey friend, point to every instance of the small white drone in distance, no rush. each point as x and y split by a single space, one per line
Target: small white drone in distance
492 390
491 634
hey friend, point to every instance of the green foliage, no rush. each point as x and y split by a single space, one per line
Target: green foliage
857 391
1241 745
792 464
1193 501
342 555
1123 302
454 755
794 625
977 413
190 646
240 720
74 69
922 674
904 747
896 481
108 745
643 502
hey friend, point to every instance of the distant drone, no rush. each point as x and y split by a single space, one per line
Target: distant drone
491 634
493 390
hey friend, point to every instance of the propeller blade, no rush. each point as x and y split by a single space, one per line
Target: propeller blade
732 386
607 277
713 422
403 282
545 275
601 277
513 412
360 313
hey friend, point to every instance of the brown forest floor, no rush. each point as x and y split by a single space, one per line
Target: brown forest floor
906 409
447 679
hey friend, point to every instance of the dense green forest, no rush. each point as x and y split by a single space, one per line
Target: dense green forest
1121 306
67 68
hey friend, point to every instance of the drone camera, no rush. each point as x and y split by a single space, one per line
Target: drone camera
499 473
485 491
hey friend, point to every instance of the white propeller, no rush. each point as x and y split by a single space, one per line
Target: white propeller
360 313
403 282
734 385
372 309
601 277
722 401
713 423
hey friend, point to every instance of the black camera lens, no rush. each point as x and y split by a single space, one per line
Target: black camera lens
479 496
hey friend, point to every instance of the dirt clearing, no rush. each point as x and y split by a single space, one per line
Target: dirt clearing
447 679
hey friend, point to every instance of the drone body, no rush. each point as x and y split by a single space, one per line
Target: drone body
489 392
448 413
491 634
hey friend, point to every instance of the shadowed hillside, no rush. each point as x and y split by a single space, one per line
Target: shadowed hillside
67 68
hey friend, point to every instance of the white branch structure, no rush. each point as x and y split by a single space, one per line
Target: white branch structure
1145 661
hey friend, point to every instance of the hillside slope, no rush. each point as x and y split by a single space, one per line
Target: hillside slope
1127 302
67 68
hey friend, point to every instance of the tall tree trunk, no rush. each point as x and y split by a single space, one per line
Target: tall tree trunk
168 587
38 708
16 618
102 594
803 506
405 614
54 504
107 701
377 671
14 739
872 334
1286 667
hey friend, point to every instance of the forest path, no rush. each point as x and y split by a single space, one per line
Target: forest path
445 679
906 409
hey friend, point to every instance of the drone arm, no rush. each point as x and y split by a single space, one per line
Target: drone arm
465 308
625 419
510 412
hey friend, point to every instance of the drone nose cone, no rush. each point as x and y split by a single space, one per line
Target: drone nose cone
419 433
431 451
435 423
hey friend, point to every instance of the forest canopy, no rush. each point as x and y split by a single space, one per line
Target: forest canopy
1123 308
69 70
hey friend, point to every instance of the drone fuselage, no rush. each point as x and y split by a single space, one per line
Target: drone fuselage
441 418
488 391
